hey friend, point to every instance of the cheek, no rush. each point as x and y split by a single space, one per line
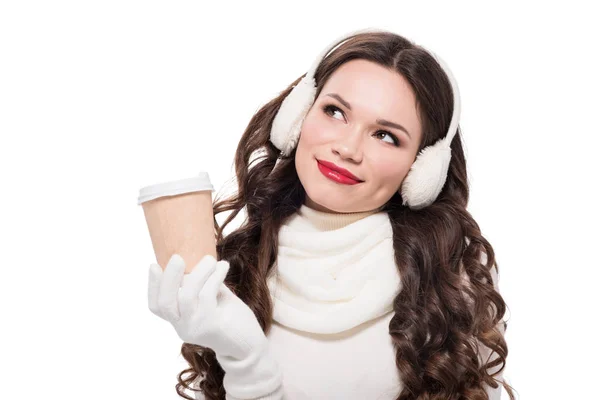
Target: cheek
391 170
316 130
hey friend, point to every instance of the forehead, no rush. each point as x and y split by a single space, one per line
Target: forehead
367 76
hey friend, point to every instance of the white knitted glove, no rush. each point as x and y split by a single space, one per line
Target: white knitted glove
205 312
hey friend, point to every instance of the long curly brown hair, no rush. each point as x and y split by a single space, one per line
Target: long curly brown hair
448 313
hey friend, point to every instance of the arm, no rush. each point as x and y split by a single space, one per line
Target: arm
484 351
276 395
205 312
256 377
493 393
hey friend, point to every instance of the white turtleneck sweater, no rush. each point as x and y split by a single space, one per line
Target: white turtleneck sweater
334 282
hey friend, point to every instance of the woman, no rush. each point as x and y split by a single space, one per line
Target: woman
365 274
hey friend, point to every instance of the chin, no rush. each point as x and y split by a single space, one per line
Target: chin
324 207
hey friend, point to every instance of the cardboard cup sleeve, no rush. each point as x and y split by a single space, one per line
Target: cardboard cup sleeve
179 216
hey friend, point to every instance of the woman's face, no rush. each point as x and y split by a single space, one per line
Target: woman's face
341 128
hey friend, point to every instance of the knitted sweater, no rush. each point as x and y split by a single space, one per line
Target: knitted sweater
333 285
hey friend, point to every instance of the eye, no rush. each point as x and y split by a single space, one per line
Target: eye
330 108
395 140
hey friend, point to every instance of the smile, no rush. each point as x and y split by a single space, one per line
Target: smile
336 176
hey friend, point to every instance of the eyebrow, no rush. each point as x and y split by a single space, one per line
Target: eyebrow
380 121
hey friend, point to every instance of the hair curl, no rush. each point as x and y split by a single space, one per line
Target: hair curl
449 308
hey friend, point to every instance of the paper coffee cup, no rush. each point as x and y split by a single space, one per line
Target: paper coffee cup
179 216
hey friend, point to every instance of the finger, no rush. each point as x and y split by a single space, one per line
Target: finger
154 278
193 283
211 288
169 287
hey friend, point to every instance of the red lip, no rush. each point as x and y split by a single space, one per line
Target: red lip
341 170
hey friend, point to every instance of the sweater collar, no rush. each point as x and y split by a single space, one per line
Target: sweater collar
308 219
331 280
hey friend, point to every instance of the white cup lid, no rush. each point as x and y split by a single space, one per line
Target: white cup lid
171 188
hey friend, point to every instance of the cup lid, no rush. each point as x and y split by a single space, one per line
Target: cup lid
198 183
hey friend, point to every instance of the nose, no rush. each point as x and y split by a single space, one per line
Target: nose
350 147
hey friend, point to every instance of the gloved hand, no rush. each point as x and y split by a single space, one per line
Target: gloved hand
205 312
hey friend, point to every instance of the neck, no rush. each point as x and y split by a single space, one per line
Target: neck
325 221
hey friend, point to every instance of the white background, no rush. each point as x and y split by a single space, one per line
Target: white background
101 98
